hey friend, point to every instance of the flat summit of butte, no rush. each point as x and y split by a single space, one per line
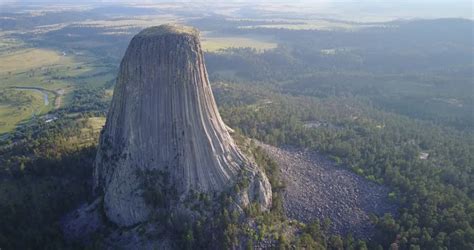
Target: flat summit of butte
164 140
168 29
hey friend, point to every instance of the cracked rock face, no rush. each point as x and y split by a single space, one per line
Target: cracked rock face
164 120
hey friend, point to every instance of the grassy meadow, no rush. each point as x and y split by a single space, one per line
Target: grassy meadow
31 58
214 44
62 65
54 72
19 106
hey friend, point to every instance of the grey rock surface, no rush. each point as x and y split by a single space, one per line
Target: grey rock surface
164 120
317 189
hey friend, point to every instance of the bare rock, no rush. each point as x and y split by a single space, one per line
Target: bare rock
317 189
164 124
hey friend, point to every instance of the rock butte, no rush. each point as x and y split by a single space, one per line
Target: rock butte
164 119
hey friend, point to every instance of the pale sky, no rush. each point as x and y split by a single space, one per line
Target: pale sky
387 9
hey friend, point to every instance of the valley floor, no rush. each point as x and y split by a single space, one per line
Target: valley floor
317 189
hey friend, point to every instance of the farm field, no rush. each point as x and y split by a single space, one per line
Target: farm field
311 25
41 80
32 58
58 69
360 115
213 44
21 105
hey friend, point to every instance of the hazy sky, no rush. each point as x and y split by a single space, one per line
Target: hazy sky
353 9
466 2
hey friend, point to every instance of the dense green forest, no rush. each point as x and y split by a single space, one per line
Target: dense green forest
49 169
435 194
393 103
395 110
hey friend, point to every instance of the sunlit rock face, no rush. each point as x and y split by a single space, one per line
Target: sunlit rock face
164 124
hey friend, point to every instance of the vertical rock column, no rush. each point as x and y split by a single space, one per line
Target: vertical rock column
164 124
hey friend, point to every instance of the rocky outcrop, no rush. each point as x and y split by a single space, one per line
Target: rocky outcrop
164 138
317 189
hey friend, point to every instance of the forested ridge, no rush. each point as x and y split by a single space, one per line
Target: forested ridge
396 111
435 194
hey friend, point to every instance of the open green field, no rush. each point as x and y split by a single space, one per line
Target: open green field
56 72
9 45
213 44
21 105
314 24
27 59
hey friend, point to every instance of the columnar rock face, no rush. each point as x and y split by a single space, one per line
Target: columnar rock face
164 124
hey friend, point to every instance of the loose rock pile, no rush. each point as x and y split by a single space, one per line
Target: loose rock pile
317 189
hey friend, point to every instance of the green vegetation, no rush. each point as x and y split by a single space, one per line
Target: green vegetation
56 74
43 176
45 171
158 191
376 64
18 105
27 59
169 29
305 24
391 101
216 44
435 194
